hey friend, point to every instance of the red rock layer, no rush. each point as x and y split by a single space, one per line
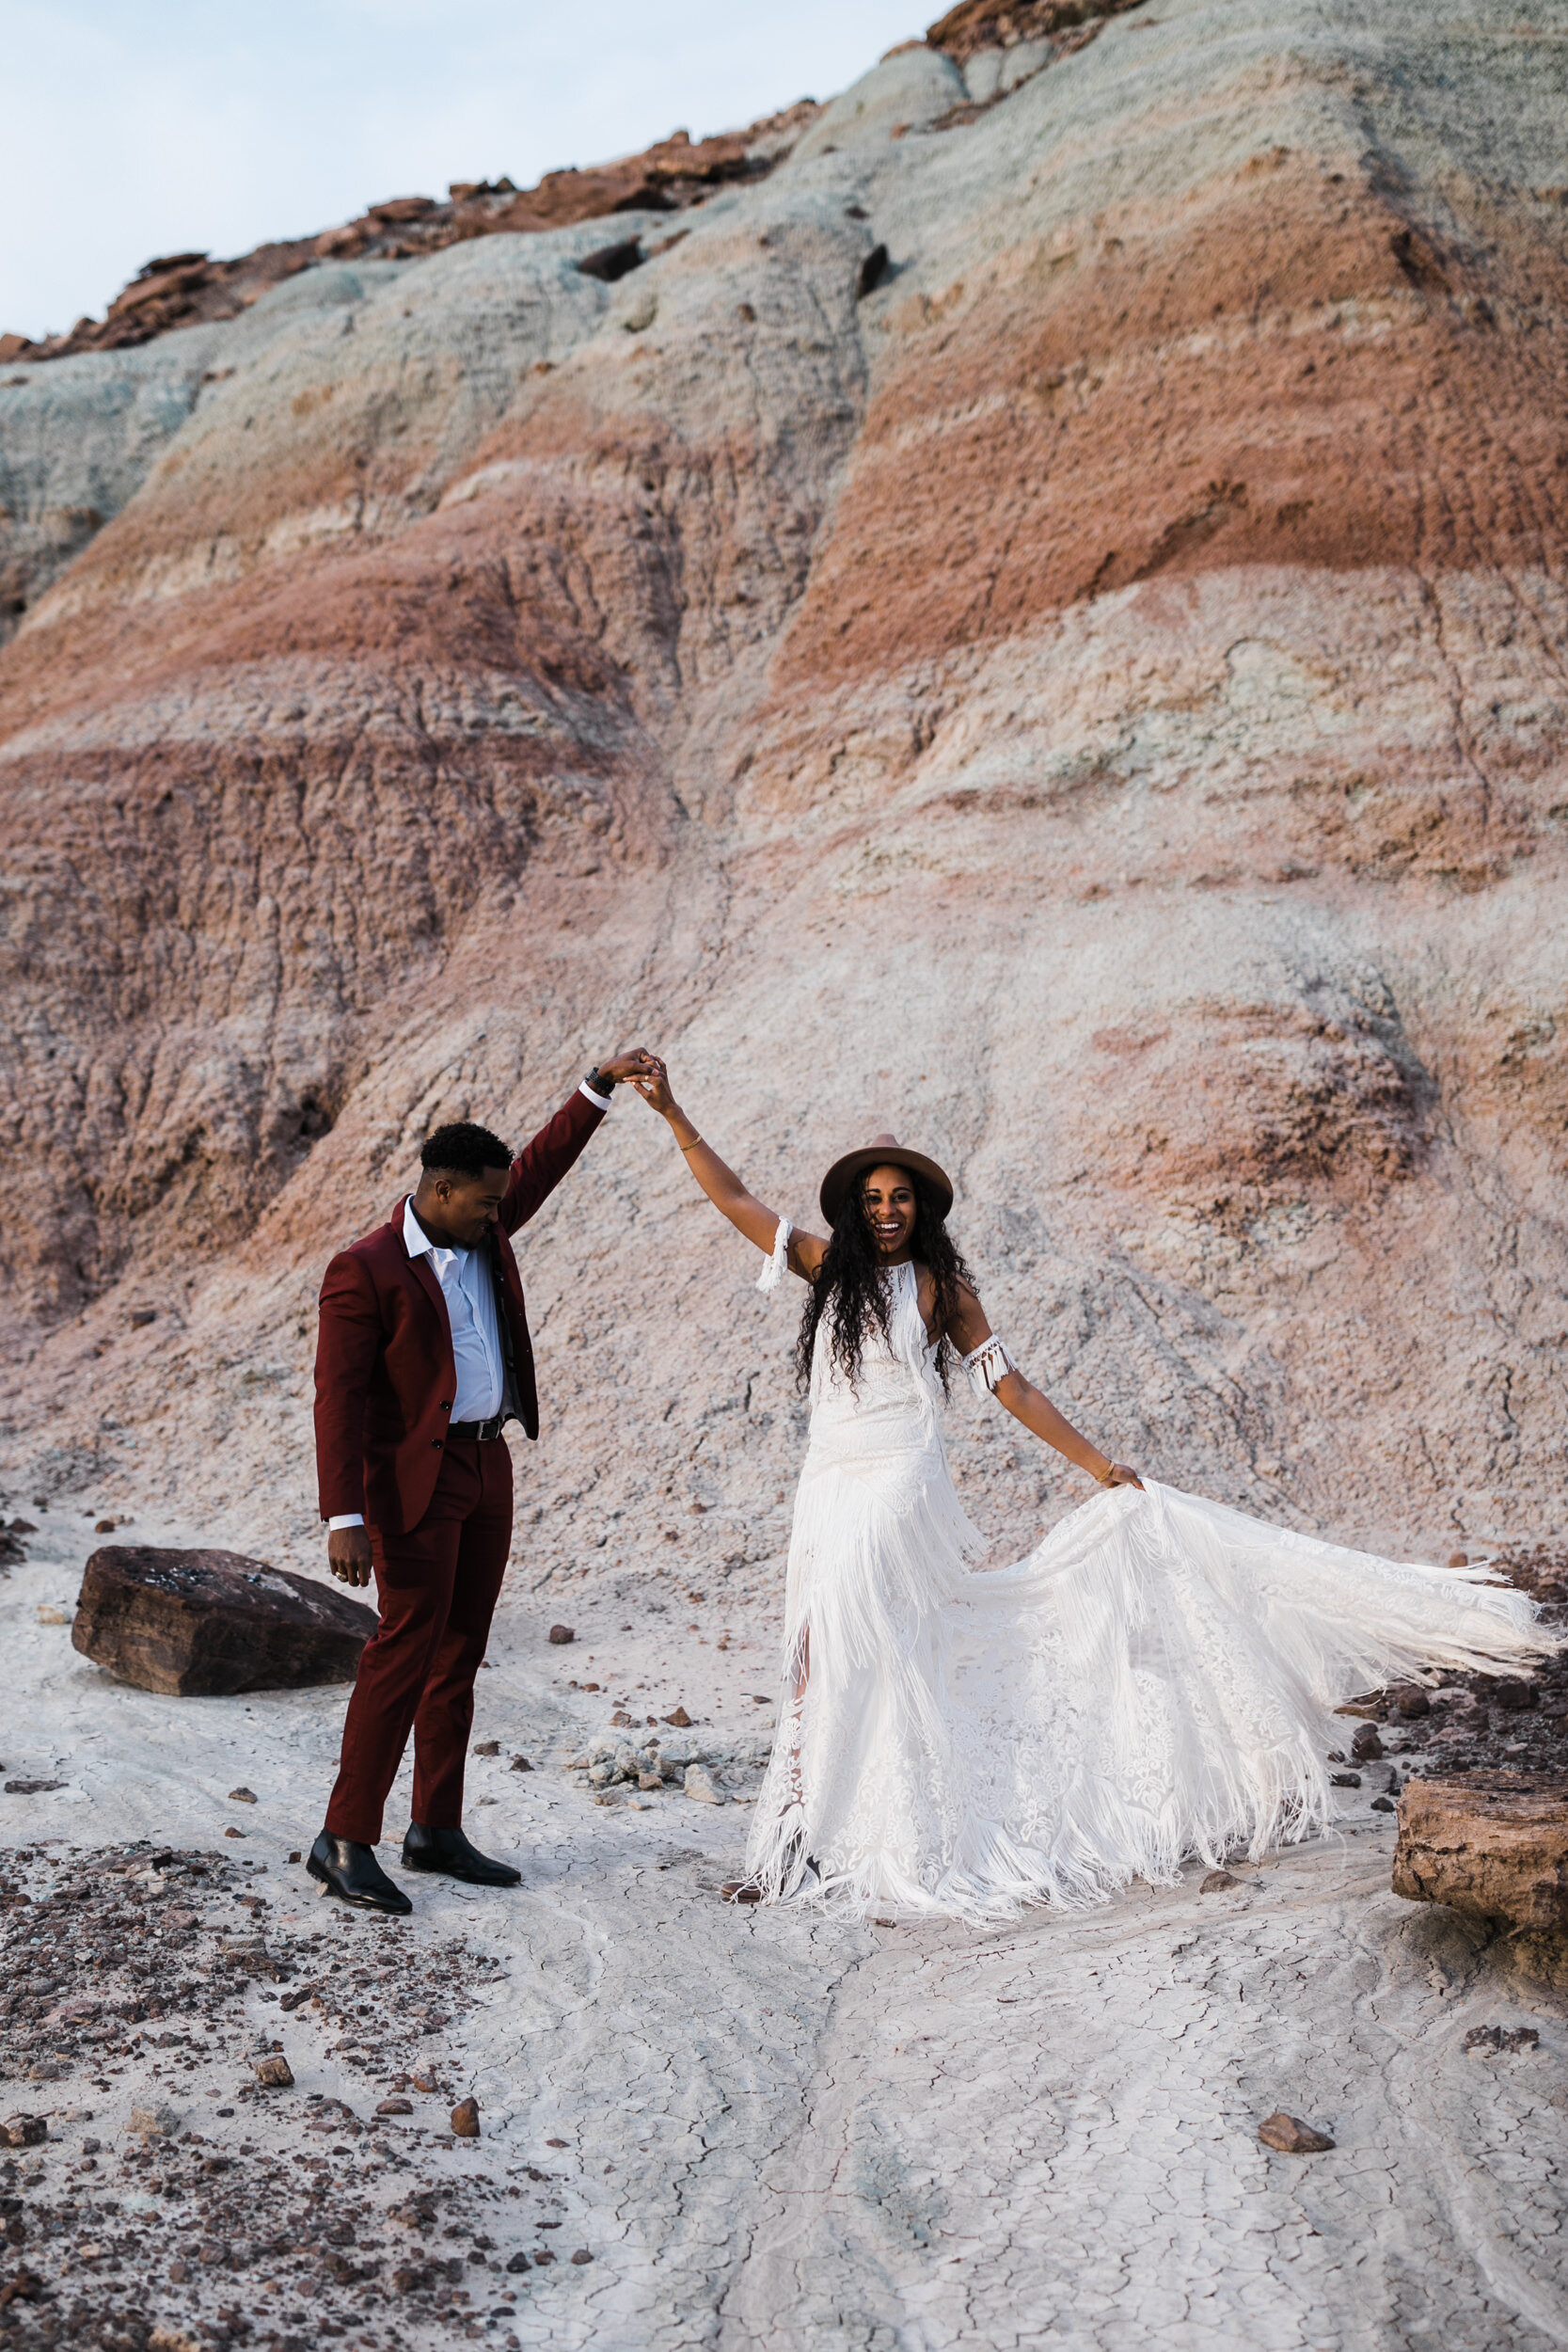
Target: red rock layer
1291 371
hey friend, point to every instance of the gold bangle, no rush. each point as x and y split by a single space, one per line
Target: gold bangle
1109 1479
692 1145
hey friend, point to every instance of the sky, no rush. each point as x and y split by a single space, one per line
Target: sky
139 127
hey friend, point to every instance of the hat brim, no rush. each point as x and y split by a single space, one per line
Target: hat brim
842 1174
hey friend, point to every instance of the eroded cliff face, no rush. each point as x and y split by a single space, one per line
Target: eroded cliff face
1088 695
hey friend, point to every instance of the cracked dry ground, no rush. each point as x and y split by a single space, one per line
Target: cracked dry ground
764 2128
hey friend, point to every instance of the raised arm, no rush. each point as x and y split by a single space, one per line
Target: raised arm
722 1184
969 1331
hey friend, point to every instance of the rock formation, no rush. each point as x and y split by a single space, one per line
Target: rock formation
195 1622
190 289
1092 700
1494 1845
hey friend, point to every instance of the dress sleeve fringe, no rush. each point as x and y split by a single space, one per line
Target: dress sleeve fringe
773 1272
987 1364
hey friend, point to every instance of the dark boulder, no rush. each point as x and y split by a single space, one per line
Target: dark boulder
200 1624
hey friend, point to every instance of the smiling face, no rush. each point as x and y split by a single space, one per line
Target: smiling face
887 1194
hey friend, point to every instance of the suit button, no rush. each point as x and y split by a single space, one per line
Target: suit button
436 1443
445 1405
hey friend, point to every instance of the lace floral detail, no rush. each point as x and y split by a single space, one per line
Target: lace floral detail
1155 1681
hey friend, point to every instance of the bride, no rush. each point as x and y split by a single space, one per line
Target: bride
1154 1681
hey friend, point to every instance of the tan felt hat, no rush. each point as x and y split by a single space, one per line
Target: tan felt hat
882 1151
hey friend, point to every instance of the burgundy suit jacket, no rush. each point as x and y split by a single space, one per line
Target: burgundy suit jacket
386 1377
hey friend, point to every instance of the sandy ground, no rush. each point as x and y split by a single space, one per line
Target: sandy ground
754 2127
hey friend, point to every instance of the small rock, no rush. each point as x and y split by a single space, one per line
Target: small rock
396 2107
1344 1780
232 1832
48 1614
1291 2136
33 1788
698 1783
518 2262
1335 1755
1383 1804
1411 1701
681 1720
23 2131
241 1796
582 2255
102 1526
487 1747
1217 1882
620 1720
521 1764
425 2082
1366 1747
26 2287
157 2122
1514 1694
560 1633
273 2072
558 2143
1459 1559
1481 2040
464 2118
650 1780
541 2257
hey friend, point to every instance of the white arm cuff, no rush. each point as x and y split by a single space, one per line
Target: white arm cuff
989 1365
345 1518
601 1102
773 1272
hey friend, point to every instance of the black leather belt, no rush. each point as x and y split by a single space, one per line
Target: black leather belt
482 1430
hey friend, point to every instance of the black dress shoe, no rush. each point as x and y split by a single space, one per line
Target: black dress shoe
353 1873
448 1852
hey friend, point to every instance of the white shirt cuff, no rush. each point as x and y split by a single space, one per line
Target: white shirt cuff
602 1101
345 1518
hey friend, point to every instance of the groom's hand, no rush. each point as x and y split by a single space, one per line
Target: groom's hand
636 1063
348 1554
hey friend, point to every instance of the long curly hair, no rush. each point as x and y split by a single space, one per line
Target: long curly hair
852 1295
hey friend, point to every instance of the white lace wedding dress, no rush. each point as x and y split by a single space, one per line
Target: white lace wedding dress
1156 1681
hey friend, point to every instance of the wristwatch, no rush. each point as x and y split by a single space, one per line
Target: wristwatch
600 1083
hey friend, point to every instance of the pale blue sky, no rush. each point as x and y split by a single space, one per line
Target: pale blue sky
135 127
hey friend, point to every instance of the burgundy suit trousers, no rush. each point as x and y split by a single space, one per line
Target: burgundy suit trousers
437 1588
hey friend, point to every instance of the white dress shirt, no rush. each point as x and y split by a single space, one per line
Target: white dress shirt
476 1340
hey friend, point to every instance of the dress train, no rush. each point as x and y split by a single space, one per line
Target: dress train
1155 1681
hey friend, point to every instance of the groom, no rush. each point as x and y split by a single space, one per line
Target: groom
423 1356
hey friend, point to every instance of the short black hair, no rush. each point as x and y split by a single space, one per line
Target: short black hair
462 1149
